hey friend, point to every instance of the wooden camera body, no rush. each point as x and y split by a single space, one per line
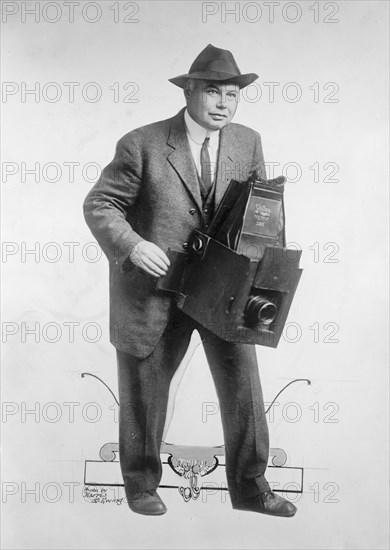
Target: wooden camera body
238 279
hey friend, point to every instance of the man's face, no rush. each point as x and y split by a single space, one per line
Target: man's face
212 104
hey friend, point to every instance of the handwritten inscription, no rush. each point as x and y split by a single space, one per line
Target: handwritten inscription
102 495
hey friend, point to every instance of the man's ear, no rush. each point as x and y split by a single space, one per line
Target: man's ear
187 91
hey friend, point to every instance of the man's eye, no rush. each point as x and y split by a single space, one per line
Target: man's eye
212 92
232 95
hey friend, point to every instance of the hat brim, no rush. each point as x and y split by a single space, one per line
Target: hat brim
242 80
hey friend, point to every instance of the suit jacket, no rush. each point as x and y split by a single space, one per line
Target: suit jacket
150 191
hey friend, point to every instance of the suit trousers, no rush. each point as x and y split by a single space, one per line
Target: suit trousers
143 397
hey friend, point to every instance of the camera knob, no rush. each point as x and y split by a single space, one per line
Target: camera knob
197 245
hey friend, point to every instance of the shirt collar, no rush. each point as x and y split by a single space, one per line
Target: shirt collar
197 133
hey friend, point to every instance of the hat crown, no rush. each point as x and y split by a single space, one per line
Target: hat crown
217 65
215 59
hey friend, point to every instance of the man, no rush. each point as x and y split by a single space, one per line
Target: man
166 180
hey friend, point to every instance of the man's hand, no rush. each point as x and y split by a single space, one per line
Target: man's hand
150 258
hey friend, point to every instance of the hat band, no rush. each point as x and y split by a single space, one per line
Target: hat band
211 75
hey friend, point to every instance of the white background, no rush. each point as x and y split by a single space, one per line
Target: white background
348 48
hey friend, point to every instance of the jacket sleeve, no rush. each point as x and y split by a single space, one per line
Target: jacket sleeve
106 205
258 161
258 158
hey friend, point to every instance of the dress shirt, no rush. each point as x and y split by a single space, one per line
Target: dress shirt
196 135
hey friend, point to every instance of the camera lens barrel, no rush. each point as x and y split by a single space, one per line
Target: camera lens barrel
260 310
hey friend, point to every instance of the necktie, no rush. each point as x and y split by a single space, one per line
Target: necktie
205 164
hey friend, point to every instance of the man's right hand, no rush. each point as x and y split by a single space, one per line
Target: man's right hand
150 258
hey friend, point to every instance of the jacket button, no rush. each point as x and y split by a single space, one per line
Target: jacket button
185 246
192 211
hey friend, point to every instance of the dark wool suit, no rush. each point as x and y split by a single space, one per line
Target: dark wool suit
150 191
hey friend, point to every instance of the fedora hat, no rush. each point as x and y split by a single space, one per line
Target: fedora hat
215 64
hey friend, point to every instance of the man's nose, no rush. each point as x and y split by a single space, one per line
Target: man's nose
222 101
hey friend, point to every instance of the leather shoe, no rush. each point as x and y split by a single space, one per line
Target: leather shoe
147 503
269 503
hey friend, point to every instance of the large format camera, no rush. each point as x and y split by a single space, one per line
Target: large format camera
238 279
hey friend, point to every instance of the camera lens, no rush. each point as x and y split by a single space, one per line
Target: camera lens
260 310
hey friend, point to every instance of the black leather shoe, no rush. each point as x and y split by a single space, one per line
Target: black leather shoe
269 503
147 503
276 505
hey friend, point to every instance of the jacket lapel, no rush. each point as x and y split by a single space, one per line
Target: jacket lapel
181 157
181 160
